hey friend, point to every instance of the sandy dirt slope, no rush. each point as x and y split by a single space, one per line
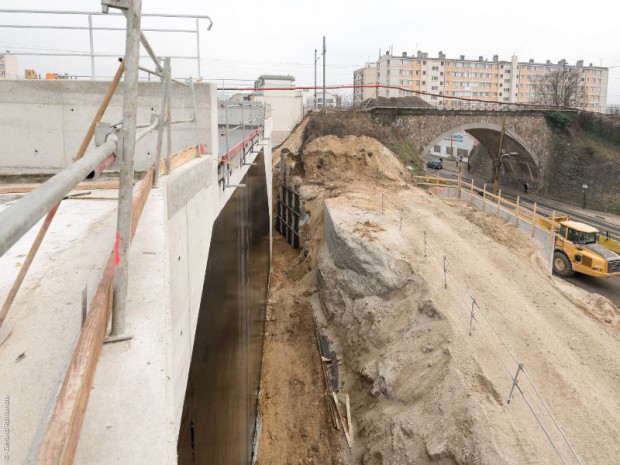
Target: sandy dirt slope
422 389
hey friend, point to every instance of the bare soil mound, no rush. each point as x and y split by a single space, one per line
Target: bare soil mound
423 389
350 159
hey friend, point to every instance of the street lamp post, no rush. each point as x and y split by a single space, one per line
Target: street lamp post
315 60
585 189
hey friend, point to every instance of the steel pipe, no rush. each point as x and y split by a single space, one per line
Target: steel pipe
101 167
24 214
98 13
126 178
85 28
161 75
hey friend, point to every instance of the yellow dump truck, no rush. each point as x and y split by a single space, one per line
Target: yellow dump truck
577 250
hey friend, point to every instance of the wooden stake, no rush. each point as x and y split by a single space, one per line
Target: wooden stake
349 422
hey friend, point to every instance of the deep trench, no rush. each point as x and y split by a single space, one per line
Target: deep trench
220 408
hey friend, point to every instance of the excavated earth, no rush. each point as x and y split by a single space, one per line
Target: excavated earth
423 389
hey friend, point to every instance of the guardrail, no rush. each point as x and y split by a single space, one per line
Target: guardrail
248 119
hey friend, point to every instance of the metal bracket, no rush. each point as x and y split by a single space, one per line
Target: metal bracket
119 4
102 131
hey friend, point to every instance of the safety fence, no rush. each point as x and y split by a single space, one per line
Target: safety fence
477 320
243 121
540 223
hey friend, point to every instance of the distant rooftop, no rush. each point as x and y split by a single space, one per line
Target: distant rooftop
276 77
495 59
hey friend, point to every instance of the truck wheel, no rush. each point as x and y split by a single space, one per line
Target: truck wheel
562 265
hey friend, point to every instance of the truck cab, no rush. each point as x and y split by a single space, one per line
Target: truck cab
577 249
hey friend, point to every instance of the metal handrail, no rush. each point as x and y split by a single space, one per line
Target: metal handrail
17 219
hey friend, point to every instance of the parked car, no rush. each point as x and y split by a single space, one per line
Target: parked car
435 164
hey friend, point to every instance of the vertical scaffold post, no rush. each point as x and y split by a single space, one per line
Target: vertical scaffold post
459 183
243 131
169 122
162 119
484 196
193 89
534 219
445 273
92 48
425 243
471 193
227 155
123 225
515 382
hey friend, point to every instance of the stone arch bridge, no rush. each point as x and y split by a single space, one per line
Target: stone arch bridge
528 140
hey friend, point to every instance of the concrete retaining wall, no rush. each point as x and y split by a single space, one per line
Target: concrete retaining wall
42 123
135 409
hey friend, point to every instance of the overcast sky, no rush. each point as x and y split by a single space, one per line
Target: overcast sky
250 38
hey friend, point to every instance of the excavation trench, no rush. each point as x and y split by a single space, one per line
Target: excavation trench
219 419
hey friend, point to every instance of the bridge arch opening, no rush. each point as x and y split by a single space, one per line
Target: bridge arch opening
519 162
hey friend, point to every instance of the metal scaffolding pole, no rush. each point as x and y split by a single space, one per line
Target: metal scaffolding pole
123 228
161 119
22 215
169 124
193 90
92 47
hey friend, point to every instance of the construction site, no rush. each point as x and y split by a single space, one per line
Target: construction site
185 279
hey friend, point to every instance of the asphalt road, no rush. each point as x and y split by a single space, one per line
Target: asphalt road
607 287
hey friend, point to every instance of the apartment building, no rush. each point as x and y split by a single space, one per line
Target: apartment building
8 66
364 76
494 80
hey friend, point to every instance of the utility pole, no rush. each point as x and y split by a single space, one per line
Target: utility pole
498 162
315 60
324 50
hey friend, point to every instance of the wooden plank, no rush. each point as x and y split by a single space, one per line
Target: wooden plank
63 432
178 159
347 434
348 410
28 187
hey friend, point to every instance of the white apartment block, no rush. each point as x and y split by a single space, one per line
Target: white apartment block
365 76
500 82
8 66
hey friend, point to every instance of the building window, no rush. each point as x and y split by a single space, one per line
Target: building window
433 97
434 78
462 152
424 62
448 150
435 68
437 148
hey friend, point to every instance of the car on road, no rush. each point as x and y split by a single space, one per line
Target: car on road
434 164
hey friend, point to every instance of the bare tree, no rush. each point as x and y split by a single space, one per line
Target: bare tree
562 87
